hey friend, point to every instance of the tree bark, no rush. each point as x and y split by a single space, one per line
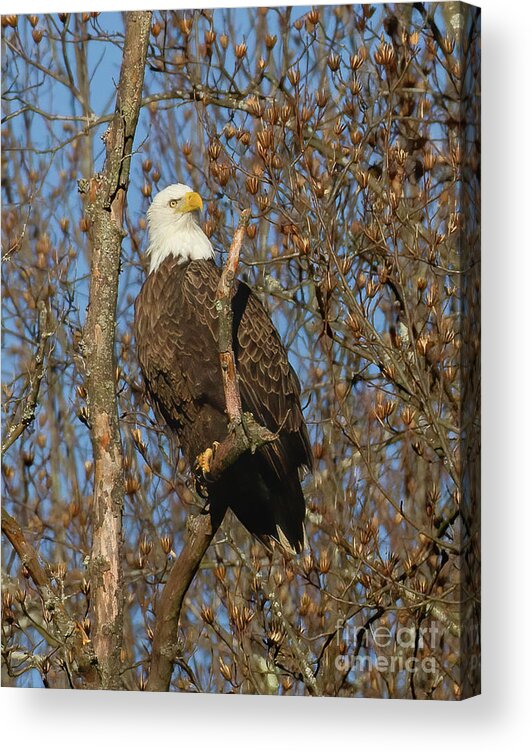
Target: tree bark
166 647
105 195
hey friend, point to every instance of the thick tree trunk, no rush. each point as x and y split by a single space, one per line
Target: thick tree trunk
105 195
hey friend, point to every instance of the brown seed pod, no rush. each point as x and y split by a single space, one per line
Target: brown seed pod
265 138
84 224
385 55
271 114
225 670
185 26
313 17
254 106
252 185
214 149
207 614
448 44
294 75
219 573
333 61
362 178
321 98
324 563
166 544
356 61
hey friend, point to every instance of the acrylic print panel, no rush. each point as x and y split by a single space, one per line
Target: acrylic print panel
271 488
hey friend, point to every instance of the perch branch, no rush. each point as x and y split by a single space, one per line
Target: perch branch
244 434
105 195
165 648
224 296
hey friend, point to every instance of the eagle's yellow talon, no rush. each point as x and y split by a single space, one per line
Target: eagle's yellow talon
205 459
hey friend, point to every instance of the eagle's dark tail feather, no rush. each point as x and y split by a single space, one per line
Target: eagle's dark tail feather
289 512
269 509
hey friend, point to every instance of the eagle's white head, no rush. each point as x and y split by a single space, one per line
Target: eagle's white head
173 229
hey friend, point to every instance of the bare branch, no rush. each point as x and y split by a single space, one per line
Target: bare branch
224 296
165 649
64 630
36 376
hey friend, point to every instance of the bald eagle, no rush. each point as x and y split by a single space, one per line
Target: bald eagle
176 331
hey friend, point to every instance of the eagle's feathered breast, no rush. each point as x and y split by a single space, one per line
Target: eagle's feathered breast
176 330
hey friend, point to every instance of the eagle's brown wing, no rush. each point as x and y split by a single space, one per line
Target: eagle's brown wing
269 387
178 355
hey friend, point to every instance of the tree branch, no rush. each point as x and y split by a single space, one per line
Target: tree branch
243 433
64 629
224 296
35 378
165 649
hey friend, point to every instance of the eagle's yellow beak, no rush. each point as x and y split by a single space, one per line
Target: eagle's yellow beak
191 202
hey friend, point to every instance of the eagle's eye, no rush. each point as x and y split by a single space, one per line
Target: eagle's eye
173 203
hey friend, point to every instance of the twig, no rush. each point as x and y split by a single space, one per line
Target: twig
36 376
268 588
309 680
64 628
